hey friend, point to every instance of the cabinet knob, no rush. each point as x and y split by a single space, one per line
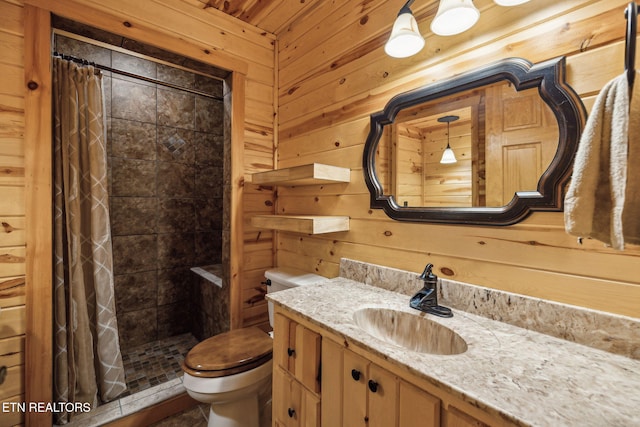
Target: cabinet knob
355 374
291 412
291 351
373 386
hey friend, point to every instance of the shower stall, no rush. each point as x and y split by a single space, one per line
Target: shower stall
167 149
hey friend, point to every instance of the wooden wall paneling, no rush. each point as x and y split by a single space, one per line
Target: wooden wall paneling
379 70
38 207
273 16
236 105
308 263
131 27
13 18
11 170
321 247
348 157
342 37
248 11
342 135
12 120
260 112
12 201
12 221
614 296
239 41
588 31
259 199
259 259
274 22
261 92
12 43
589 71
329 88
11 75
12 261
12 291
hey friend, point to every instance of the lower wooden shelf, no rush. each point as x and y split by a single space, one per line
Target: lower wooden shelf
309 224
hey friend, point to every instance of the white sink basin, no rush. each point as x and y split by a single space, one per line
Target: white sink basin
409 331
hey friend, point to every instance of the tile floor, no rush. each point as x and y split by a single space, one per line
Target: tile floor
194 417
154 363
153 374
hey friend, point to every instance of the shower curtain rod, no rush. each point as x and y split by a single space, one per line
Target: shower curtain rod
136 76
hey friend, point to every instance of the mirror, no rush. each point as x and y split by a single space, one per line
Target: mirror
513 128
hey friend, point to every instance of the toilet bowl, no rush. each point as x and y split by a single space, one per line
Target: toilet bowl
232 371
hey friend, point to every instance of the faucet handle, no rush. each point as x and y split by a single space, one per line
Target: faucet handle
427 272
428 277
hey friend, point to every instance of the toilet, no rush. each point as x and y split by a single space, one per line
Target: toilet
232 370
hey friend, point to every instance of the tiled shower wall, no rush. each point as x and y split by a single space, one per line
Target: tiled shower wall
166 188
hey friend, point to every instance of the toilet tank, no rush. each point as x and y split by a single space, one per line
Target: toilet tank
279 279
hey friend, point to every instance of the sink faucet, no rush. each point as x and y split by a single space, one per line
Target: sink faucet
427 298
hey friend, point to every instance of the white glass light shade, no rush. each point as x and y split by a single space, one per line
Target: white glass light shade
405 39
454 17
509 2
448 156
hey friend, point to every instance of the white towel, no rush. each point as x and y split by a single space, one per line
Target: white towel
601 202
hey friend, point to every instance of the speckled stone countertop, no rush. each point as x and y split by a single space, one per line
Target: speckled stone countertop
529 378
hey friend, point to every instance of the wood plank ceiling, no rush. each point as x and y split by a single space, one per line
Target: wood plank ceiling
272 16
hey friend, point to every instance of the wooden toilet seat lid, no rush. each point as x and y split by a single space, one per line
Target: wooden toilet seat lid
230 352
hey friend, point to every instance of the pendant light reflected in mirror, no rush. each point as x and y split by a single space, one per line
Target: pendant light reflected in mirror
405 39
448 155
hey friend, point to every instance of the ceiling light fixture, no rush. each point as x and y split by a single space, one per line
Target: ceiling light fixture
448 156
454 17
405 39
509 2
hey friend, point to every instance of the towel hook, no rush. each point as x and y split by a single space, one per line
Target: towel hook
631 14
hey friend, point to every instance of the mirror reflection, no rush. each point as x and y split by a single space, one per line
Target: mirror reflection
502 140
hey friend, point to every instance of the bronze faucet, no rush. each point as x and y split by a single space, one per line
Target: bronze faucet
427 298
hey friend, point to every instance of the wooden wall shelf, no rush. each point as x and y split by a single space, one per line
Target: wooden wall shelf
309 224
314 173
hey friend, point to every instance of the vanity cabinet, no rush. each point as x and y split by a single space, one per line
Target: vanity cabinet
319 379
296 374
371 396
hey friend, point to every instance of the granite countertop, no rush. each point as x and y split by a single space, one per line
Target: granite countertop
527 377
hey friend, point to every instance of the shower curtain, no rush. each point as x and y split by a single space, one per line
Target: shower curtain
87 359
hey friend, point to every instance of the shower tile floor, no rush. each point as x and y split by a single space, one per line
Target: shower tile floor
154 363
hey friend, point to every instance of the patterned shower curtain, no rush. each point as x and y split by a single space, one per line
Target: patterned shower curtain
87 359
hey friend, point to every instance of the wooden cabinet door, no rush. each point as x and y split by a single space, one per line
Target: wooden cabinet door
286 399
310 406
284 342
296 349
293 405
456 418
306 357
354 390
382 393
417 408
332 378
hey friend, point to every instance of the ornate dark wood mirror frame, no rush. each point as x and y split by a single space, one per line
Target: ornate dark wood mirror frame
566 105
